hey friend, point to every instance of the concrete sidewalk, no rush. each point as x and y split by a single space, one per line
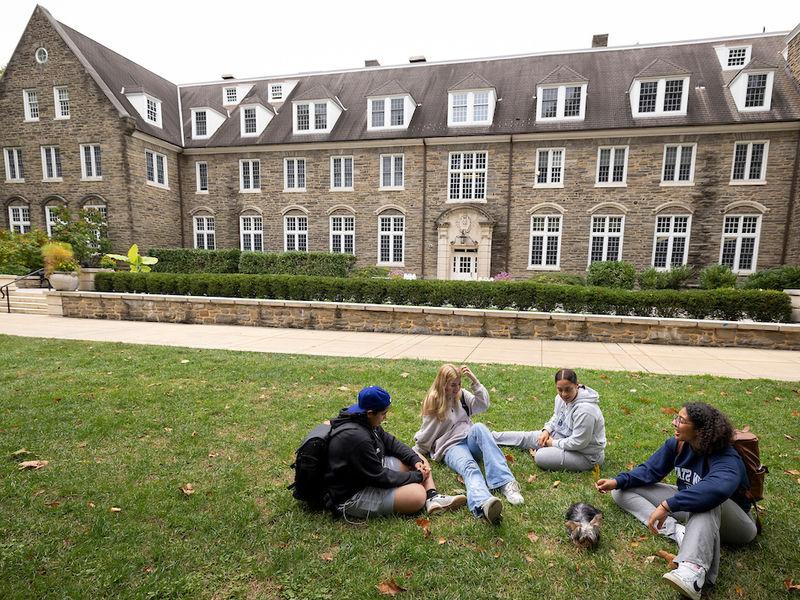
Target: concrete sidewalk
743 363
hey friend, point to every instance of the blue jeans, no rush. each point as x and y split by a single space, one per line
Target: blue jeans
463 459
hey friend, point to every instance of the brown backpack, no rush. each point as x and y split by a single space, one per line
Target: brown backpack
746 444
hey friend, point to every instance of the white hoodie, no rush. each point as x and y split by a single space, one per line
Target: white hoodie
579 426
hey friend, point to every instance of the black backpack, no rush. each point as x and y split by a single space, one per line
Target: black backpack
310 465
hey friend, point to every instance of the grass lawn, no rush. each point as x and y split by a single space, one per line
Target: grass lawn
126 426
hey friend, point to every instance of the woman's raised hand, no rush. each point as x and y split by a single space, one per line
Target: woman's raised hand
466 372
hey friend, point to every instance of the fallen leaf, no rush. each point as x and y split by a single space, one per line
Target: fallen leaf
168 429
20 452
629 466
33 464
213 454
533 537
634 544
528 558
442 541
596 472
425 524
404 375
669 410
81 445
185 361
53 504
790 585
555 484
532 478
723 393
497 555
792 472
603 376
115 509
510 458
389 588
649 559
38 493
748 392
796 413
330 554
187 489
577 568
460 479
788 437
668 557
532 452
343 388
632 390
194 433
493 390
625 410
90 504
739 591
148 569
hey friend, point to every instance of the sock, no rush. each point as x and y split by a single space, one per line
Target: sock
431 493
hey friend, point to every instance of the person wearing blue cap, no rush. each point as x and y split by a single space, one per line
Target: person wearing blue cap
371 472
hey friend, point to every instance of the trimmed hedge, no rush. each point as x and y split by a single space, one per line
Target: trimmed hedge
324 264
189 260
612 274
727 304
779 278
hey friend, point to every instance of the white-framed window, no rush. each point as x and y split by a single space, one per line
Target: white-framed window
314 117
201 177
61 101
671 241
102 210
295 233
756 91
749 162
561 102
470 108
19 219
50 218
30 99
550 167
343 234
303 112
739 248
605 241
51 163
200 124
14 169
41 55
230 95
678 167
204 232
91 162
545 243
251 233
612 166
387 113
294 174
737 56
276 92
151 110
391 239
392 171
320 115
249 121
342 173
249 175
660 97
467 176
156 168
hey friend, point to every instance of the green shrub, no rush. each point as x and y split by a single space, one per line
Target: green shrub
558 279
323 264
715 277
730 304
367 272
190 260
778 278
612 274
672 279
21 253
87 234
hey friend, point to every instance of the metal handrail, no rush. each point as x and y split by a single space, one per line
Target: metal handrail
5 291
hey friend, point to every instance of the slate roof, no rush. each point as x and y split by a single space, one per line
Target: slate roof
470 82
390 88
562 74
661 67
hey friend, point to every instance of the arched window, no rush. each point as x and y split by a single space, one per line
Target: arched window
391 237
51 205
19 216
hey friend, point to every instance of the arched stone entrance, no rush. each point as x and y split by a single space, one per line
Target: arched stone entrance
464 248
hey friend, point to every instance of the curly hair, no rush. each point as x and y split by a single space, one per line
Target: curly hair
714 430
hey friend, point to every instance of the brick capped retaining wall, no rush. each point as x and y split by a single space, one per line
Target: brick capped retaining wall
422 320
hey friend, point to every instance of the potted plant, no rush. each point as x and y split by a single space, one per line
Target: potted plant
60 266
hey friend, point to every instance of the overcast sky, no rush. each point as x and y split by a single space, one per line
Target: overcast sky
193 41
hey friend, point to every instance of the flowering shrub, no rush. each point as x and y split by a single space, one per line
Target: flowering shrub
502 276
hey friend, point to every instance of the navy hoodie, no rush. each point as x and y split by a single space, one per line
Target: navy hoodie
704 482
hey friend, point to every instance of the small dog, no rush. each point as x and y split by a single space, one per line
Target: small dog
583 525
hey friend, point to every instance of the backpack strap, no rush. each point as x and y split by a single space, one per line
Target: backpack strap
464 406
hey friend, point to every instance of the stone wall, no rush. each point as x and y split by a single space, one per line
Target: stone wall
423 320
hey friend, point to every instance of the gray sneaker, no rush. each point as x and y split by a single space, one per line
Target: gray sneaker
492 510
513 493
441 502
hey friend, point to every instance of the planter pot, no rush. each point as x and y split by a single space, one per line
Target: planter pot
86 278
64 282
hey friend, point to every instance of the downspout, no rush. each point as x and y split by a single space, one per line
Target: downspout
792 199
424 200
508 204
180 179
129 126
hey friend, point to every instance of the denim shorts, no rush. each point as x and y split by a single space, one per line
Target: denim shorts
372 500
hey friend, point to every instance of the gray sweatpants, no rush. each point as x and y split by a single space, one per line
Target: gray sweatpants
727 523
549 459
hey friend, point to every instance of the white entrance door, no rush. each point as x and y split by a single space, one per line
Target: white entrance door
465 265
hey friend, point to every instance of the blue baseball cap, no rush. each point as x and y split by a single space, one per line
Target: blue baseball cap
372 398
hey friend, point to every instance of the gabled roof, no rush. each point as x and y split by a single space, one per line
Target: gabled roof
390 88
563 74
112 72
758 64
661 66
471 82
315 93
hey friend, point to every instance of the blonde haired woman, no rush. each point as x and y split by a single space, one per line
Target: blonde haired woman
448 434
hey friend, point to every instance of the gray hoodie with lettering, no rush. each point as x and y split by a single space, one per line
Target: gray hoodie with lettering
579 426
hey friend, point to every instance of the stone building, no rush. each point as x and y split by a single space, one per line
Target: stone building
661 155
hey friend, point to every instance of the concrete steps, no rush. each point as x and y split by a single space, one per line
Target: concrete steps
25 301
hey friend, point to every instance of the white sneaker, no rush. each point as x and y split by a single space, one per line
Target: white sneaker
492 510
512 492
440 502
688 579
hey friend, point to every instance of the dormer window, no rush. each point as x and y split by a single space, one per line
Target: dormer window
253 119
733 57
561 102
276 92
320 115
249 119
752 88
152 110
389 113
200 124
756 90
737 57
659 97
312 117
148 107
231 95
205 122
474 107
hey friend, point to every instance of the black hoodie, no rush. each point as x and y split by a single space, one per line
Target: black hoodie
355 458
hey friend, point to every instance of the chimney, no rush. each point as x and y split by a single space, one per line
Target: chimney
600 40
227 76
371 62
792 52
417 59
